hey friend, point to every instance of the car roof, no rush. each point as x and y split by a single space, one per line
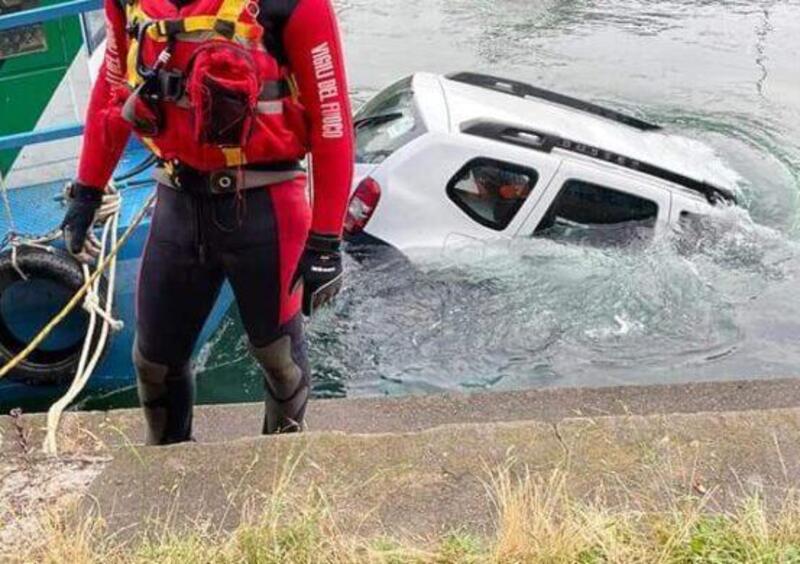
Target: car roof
475 98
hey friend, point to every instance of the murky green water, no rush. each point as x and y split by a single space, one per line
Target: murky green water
534 313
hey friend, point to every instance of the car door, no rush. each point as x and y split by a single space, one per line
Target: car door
431 195
589 203
494 189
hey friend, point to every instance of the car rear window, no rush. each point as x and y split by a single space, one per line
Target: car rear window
491 192
387 122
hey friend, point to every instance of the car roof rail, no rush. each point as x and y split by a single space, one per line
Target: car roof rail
546 142
523 90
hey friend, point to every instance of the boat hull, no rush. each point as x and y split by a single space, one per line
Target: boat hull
37 209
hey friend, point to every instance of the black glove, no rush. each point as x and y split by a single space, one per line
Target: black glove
84 201
320 271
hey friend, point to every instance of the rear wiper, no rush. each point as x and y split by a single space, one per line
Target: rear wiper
377 119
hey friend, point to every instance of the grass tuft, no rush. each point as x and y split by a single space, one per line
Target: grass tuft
536 522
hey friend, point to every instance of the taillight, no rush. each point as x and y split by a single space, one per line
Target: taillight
362 205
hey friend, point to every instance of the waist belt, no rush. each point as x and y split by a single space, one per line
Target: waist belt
226 181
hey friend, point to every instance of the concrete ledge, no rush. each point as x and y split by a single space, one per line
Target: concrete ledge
96 430
432 481
418 465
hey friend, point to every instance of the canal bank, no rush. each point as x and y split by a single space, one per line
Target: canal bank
415 468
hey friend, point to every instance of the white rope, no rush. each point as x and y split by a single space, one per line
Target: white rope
92 351
92 305
80 293
15 263
18 242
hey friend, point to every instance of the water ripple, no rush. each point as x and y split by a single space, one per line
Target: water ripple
718 300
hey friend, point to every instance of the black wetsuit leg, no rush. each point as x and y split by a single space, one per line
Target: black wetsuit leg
194 244
178 284
179 279
259 257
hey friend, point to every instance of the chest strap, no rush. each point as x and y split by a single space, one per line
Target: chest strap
165 29
224 23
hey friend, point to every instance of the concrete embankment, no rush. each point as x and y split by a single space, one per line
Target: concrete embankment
420 465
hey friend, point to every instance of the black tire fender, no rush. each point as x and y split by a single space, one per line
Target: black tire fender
42 367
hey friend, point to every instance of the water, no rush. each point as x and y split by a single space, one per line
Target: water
718 304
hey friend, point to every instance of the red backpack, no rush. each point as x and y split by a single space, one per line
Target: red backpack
206 90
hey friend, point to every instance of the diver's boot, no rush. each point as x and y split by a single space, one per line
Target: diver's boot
167 397
286 386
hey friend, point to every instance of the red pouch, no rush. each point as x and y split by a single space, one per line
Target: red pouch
223 89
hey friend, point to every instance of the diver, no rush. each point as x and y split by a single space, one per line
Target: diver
230 95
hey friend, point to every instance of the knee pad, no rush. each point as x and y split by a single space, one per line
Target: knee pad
282 374
151 378
286 386
167 396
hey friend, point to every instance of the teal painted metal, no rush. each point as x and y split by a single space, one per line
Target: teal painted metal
47 13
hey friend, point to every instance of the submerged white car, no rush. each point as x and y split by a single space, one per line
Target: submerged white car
445 160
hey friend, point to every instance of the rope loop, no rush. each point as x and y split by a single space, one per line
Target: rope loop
99 307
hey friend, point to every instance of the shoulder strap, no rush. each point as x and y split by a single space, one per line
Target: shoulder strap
273 16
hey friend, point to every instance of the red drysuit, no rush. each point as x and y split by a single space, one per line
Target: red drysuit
313 55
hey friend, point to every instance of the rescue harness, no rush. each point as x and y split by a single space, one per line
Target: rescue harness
212 84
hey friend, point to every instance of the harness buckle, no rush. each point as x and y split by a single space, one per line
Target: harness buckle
173 27
275 90
172 85
225 28
198 183
221 182
132 29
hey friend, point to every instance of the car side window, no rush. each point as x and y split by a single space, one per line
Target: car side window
492 192
588 212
